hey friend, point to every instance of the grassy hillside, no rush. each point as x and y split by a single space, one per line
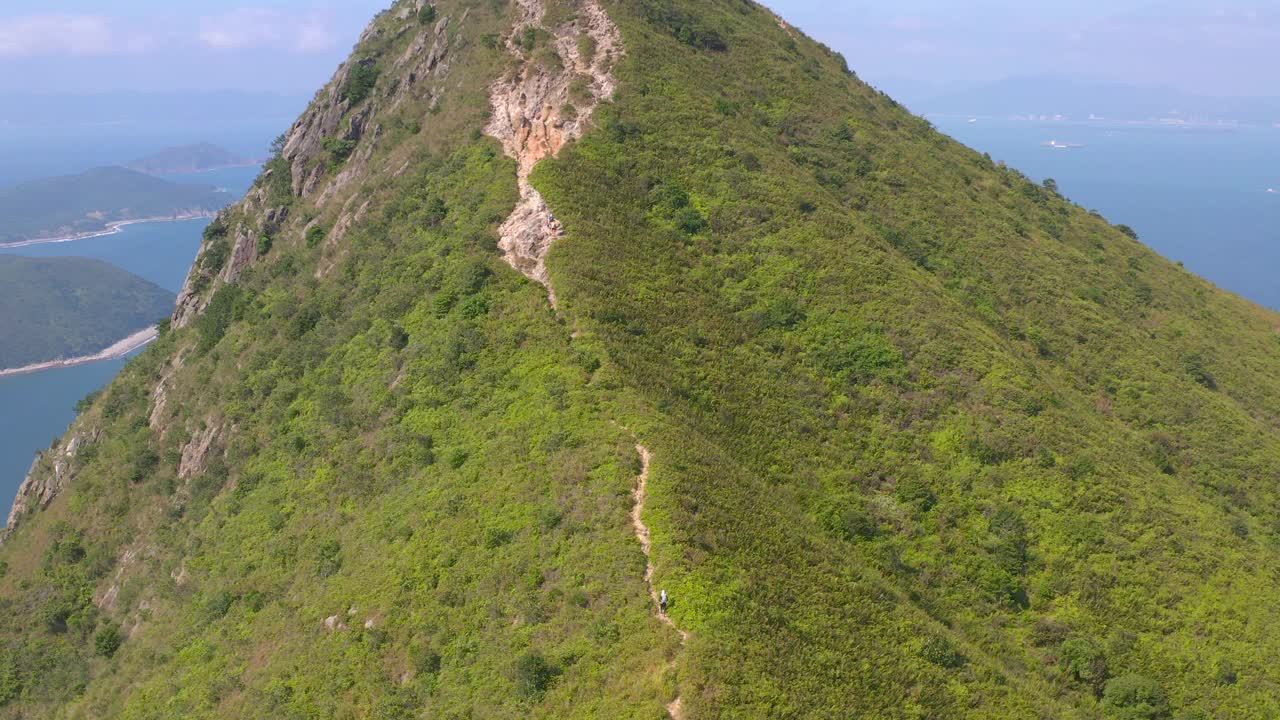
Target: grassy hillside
927 440
60 308
66 206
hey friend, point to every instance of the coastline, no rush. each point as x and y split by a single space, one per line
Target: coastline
112 228
134 342
236 166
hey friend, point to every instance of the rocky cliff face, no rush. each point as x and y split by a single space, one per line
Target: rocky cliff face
547 101
50 474
331 146
304 170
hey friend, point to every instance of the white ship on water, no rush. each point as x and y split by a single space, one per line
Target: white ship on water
1062 145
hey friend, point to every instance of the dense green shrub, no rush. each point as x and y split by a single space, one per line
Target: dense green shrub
533 675
339 149
1085 661
361 80
1135 697
316 235
108 640
942 652
686 27
218 316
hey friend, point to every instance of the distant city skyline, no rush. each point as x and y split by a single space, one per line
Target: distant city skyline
911 48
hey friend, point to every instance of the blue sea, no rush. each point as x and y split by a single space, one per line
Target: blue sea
33 153
36 408
1195 195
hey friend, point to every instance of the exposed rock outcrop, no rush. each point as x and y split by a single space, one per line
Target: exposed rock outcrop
196 453
51 473
335 119
546 103
160 394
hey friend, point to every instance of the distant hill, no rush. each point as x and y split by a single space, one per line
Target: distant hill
189 159
56 308
96 200
141 109
1078 99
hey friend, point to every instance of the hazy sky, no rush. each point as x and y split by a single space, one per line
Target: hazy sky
909 46
1215 47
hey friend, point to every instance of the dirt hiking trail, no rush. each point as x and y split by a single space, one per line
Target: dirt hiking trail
676 707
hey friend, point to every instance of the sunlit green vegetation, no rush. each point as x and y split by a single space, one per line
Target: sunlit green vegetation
928 441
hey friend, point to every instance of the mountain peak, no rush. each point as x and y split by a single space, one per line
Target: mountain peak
832 416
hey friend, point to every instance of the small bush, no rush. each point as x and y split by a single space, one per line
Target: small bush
427 15
10 682
1084 661
86 402
914 491
533 675
1195 365
1049 631
1135 697
686 28
107 641
221 312
360 81
458 458
941 652
316 235
497 537
587 46
339 149
844 517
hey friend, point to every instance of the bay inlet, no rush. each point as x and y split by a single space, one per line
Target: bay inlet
37 405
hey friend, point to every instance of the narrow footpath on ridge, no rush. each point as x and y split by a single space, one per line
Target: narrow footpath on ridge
675 708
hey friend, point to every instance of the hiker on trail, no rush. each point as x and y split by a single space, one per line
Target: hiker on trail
662 602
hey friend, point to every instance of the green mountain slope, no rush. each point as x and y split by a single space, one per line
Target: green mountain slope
59 308
93 201
922 438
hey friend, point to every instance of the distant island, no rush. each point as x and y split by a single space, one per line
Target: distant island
54 310
190 159
97 202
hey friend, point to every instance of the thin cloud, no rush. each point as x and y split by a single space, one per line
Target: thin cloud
75 35
247 28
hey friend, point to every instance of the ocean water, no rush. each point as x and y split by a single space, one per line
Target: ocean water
160 252
32 153
36 408
1198 196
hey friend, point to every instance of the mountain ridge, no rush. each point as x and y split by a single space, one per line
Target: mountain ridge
918 437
